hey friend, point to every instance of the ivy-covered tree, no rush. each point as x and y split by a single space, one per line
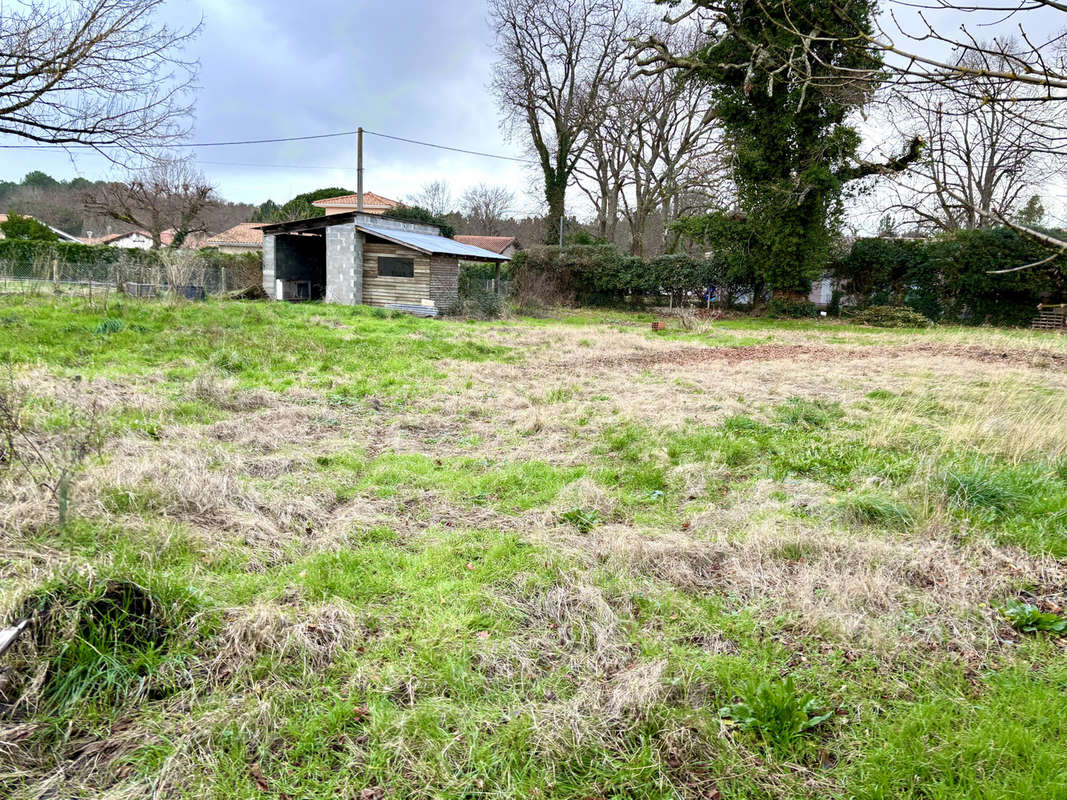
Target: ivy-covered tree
788 128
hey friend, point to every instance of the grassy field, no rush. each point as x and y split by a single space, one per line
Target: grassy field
319 552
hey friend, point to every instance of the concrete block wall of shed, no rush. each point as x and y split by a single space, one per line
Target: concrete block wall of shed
344 251
268 265
444 282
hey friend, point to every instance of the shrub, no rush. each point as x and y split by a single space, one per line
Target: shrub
16 226
777 713
793 310
24 258
891 317
475 300
949 277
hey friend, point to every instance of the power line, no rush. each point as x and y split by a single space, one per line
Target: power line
446 147
191 144
276 141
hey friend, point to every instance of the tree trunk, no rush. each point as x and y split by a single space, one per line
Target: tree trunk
556 195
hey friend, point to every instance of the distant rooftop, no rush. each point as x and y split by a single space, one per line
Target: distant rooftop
247 234
495 244
371 202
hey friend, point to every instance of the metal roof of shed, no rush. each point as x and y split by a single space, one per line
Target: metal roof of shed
428 243
423 242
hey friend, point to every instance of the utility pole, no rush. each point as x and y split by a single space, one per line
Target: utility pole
359 170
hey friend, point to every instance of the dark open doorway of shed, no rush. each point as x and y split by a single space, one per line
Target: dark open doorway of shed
300 263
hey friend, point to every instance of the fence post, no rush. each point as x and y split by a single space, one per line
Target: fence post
55 274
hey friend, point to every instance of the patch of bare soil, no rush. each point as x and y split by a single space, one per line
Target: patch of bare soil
1019 357
690 356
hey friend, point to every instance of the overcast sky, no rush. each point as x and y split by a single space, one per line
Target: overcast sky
417 69
276 68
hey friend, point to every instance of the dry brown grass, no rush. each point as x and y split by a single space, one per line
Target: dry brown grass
310 636
861 589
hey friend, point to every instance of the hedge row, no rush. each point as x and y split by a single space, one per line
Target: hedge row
948 279
600 273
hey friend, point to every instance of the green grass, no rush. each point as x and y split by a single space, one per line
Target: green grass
273 345
412 594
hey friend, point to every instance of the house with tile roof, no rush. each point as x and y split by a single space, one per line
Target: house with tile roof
504 245
132 240
372 204
142 240
245 237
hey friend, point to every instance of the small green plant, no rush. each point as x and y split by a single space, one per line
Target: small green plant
108 326
582 519
1028 618
777 713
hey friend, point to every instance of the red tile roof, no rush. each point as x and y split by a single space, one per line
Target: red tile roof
371 201
244 233
495 244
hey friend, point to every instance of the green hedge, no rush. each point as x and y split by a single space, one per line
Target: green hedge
592 274
947 278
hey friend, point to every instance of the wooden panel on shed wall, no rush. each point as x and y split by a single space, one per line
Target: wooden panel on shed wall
381 291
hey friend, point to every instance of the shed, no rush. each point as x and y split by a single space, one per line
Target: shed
364 259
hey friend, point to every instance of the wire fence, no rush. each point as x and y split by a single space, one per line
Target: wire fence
189 277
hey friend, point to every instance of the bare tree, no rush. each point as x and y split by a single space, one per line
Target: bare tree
96 72
485 207
673 144
602 170
435 197
982 160
556 58
166 196
182 268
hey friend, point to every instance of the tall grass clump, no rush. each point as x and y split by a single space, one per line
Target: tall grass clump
981 487
99 647
872 508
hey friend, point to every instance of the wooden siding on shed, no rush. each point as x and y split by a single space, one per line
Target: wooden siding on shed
381 291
